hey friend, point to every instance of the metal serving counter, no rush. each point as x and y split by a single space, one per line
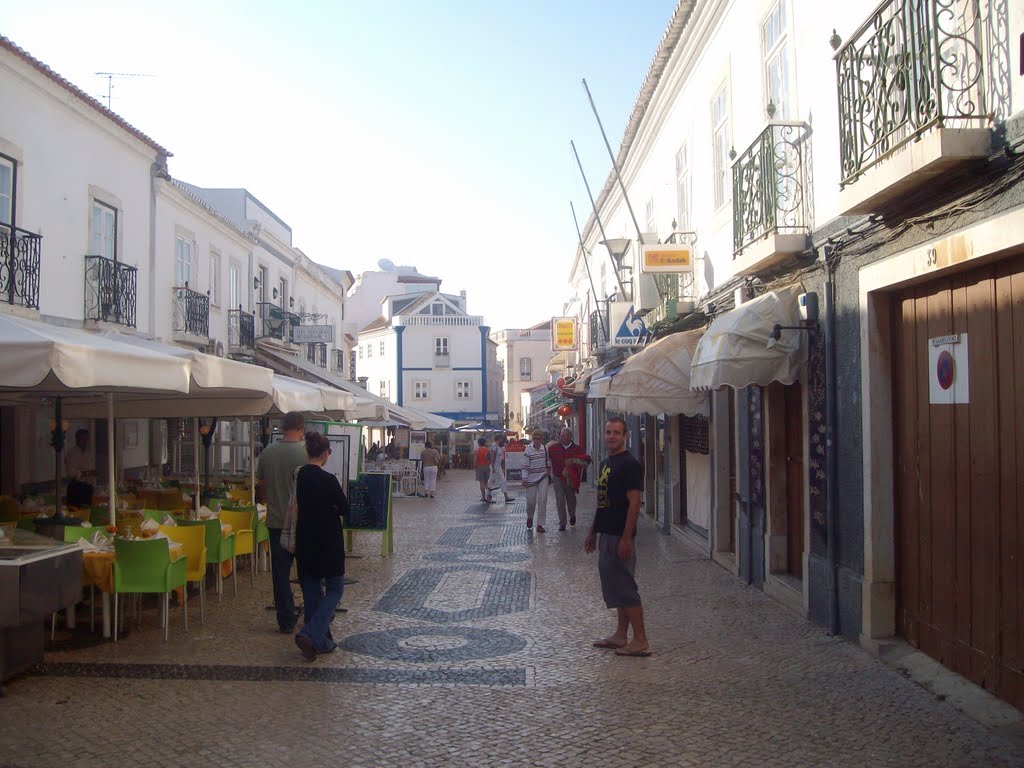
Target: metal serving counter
38 575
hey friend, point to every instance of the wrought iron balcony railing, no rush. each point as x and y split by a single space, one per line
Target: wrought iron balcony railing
770 182
19 266
190 312
241 330
598 330
338 361
442 360
316 353
915 64
111 291
275 323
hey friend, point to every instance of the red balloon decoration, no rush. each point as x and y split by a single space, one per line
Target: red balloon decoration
565 410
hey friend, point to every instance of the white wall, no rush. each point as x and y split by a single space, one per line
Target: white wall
67 154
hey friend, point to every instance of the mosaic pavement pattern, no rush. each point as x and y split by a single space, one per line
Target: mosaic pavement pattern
470 646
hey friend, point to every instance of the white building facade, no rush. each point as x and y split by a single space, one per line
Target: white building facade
523 354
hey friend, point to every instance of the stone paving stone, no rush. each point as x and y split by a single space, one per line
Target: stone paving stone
511 680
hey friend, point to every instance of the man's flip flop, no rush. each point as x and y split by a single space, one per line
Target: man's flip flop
627 651
607 644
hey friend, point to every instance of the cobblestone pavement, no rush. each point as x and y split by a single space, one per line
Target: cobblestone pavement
471 647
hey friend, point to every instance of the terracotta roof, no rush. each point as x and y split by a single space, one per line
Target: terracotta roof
67 85
673 33
380 322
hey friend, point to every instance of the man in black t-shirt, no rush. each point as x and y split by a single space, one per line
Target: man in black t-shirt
619 486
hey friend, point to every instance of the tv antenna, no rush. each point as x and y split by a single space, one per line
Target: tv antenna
110 81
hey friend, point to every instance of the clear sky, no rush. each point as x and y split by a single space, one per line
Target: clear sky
431 132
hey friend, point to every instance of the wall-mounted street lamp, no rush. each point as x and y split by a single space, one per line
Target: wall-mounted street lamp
255 283
617 249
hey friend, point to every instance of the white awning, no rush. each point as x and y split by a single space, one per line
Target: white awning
656 380
738 349
601 381
558 363
43 359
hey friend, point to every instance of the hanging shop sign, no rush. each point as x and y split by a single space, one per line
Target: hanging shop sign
674 258
312 334
563 334
947 364
628 329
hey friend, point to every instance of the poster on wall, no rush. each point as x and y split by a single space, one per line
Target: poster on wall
563 334
948 379
627 328
417 440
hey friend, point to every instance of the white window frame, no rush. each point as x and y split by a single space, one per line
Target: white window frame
463 390
7 194
184 254
649 210
264 289
526 371
369 350
720 144
104 240
683 198
421 389
214 279
775 53
441 346
360 347
282 288
383 388
234 286
382 347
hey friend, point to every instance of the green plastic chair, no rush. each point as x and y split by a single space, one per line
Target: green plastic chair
219 548
99 515
10 510
145 567
262 534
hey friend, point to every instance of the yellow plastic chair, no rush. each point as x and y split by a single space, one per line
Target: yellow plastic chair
193 541
245 540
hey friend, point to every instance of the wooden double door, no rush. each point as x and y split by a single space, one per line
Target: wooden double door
959 472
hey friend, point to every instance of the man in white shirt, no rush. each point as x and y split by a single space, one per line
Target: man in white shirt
81 469
536 478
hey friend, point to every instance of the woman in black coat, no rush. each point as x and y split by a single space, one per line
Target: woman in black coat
319 548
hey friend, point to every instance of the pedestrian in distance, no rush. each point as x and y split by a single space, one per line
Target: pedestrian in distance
319 547
275 470
612 534
429 461
568 461
536 479
483 468
497 481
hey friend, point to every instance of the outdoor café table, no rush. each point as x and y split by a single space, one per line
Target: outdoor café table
98 570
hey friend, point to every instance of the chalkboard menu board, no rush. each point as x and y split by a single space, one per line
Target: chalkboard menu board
369 502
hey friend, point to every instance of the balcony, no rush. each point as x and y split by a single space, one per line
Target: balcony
274 322
676 298
19 267
438 320
190 316
338 361
442 360
316 353
241 333
111 291
598 332
771 198
919 84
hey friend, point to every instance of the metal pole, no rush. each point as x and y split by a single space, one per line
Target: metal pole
111 458
195 464
586 263
597 216
615 165
832 461
252 461
58 449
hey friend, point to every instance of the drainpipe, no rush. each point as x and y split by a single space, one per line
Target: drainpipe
832 461
159 171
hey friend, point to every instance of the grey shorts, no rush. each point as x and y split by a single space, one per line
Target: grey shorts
618 585
482 473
